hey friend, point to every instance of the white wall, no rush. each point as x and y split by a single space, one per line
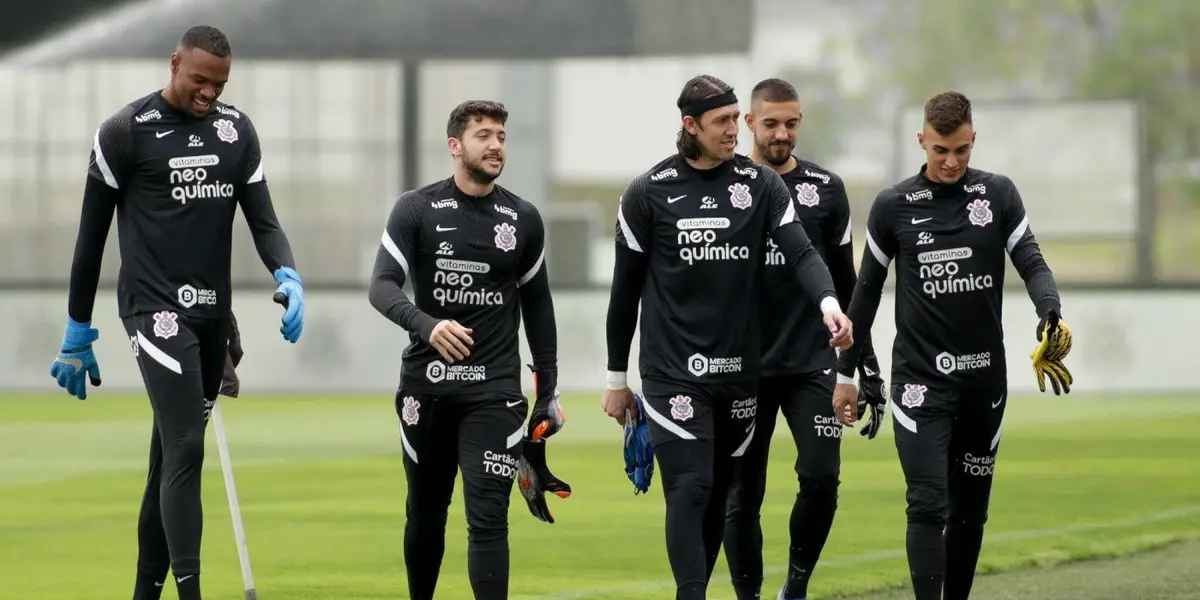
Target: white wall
1136 342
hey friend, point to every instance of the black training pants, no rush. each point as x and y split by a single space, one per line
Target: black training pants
947 440
806 401
182 360
481 435
697 433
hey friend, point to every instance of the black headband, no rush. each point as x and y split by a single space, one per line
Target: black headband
699 107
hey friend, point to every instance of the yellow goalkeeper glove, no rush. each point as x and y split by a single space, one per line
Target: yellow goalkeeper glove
1054 343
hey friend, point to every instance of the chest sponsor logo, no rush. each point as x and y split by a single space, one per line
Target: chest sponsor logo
150 115
454 284
919 195
947 363
229 112
697 240
664 174
506 211
444 203
941 273
824 177
708 203
437 372
189 179
978 187
750 172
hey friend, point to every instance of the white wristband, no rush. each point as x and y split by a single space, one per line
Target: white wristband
843 380
829 305
615 380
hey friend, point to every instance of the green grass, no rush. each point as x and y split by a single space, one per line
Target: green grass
322 492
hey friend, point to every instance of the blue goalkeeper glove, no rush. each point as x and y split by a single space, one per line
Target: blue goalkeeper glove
76 363
290 294
639 453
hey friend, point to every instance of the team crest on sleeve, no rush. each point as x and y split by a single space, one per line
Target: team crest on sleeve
914 395
226 132
681 408
739 196
165 325
806 194
980 213
506 237
410 411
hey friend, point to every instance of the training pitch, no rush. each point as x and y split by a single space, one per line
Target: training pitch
321 486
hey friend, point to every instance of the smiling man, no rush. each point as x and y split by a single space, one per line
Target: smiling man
174 166
691 243
948 229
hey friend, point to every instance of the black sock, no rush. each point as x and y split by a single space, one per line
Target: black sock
926 560
812 518
188 586
963 542
149 586
487 567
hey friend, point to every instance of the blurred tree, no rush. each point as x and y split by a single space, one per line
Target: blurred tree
1052 48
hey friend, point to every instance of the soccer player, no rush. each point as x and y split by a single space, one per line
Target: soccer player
174 165
473 252
691 244
948 228
797 362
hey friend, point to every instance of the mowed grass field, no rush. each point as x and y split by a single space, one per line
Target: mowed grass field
322 491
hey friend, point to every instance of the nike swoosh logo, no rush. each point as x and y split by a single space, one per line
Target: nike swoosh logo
869 372
74 362
676 199
182 579
514 403
440 228
917 221
162 134
997 403
827 371
158 584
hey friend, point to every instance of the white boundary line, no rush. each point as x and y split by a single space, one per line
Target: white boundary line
887 554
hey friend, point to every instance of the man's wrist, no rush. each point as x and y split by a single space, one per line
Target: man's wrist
615 380
829 305
844 379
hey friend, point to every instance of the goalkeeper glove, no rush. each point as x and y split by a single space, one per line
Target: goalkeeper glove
534 479
872 395
639 453
290 294
1054 343
547 417
76 362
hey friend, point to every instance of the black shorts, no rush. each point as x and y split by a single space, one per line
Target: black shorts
947 440
806 402
182 361
478 434
723 415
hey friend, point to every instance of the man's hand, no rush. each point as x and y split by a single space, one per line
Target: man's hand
548 416
451 339
619 404
76 364
841 331
1054 343
845 403
872 395
290 294
534 479
639 452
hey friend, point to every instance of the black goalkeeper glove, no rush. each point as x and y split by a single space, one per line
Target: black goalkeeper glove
548 417
1054 343
534 479
872 395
